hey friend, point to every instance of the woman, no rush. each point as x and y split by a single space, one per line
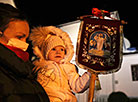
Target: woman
17 81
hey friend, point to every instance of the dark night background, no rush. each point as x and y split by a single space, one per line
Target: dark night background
55 12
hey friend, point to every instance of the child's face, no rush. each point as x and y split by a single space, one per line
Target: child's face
56 54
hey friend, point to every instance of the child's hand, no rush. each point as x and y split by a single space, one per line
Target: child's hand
92 74
89 74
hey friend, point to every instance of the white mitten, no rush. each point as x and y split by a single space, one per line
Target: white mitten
38 53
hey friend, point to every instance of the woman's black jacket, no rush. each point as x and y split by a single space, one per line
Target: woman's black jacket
17 81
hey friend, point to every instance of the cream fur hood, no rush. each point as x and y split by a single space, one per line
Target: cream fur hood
39 36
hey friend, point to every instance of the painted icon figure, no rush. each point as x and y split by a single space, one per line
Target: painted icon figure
99 43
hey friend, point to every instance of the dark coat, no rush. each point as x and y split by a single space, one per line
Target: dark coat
17 81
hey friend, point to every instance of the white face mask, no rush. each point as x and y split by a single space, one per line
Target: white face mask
18 43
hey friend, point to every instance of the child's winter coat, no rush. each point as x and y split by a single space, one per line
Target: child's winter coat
60 81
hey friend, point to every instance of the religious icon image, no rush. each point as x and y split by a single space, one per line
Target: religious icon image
100 44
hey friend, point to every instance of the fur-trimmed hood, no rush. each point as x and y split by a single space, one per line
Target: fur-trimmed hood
39 36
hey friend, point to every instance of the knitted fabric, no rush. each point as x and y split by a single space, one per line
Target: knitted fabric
52 42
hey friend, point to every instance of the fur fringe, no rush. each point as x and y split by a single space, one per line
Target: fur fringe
40 34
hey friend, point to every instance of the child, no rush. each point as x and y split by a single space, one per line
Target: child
55 72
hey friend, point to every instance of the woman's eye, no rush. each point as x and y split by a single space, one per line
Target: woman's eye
19 37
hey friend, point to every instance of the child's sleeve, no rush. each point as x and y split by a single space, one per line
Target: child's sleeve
78 83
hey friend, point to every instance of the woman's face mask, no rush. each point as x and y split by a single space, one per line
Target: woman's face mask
18 43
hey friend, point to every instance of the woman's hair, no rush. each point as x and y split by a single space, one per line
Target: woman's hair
9 13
